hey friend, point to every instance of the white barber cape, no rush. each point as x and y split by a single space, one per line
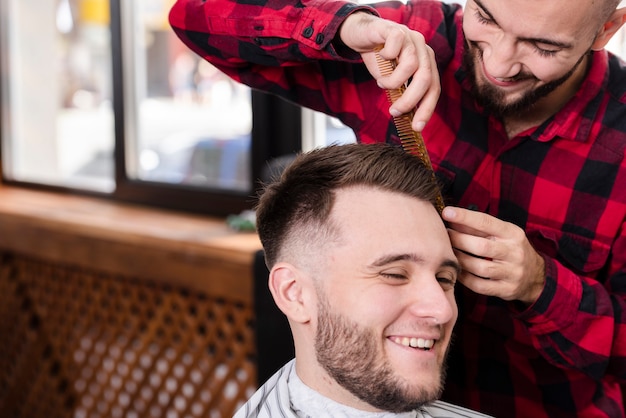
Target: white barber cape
285 396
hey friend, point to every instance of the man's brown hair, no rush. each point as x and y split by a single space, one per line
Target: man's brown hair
300 200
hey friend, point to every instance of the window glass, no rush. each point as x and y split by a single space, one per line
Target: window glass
320 130
57 117
192 123
185 123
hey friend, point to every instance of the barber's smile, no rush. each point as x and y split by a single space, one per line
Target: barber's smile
503 82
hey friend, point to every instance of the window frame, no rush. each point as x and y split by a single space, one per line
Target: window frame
276 131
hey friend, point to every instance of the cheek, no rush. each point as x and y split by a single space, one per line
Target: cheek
546 70
453 306
475 31
449 327
370 306
373 302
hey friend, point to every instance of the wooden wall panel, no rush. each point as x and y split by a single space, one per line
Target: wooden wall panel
121 311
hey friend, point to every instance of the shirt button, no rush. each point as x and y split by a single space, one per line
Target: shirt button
307 32
472 206
319 39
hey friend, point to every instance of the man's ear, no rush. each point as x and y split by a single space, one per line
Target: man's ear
288 288
610 27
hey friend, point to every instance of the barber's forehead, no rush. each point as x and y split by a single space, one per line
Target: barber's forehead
541 16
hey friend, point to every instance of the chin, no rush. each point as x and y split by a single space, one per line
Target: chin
426 378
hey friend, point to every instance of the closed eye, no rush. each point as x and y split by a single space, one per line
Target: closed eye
395 276
483 18
446 282
545 52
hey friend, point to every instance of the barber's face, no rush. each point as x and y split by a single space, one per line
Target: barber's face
520 51
386 301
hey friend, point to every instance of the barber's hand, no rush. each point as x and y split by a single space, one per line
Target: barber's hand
363 33
496 256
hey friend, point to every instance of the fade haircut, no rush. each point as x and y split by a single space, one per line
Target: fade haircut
295 207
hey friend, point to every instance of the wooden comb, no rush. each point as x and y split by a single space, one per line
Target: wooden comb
411 141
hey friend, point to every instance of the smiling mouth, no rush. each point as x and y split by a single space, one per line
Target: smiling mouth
420 343
505 80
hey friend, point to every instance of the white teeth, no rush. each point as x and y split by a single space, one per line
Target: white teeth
421 343
415 342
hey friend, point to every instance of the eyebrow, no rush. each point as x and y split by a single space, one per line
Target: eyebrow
552 42
387 259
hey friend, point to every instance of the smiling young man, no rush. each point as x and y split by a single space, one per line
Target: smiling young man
362 266
524 116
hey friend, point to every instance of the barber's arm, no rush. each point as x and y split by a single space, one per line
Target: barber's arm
576 322
295 49
272 33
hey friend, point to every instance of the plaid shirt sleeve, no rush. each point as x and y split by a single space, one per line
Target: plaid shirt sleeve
281 47
580 323
227 31
288 48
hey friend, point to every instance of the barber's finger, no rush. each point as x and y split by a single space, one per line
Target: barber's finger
487 286
417 63
474 222
472 243
402 60
427 105
422 80
478 266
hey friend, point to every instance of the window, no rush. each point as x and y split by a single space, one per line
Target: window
57 109
108 101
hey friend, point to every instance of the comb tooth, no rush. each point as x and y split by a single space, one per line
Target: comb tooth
394 94
386 67
404 123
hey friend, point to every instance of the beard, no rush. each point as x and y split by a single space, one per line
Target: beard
493 99
350 354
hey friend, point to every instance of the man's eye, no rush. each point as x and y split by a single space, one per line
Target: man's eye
446 283
545 52
395 276
484 19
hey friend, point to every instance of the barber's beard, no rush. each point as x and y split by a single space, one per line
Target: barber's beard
352 356
494 99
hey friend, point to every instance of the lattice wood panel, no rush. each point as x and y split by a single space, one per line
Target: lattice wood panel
75 343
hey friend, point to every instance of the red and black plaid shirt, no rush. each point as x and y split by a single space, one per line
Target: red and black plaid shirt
564 182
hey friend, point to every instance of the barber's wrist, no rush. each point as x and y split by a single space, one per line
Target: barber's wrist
350 22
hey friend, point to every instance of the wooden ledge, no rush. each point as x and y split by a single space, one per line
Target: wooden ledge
194 251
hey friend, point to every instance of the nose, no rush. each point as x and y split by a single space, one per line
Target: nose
430 301
500 58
